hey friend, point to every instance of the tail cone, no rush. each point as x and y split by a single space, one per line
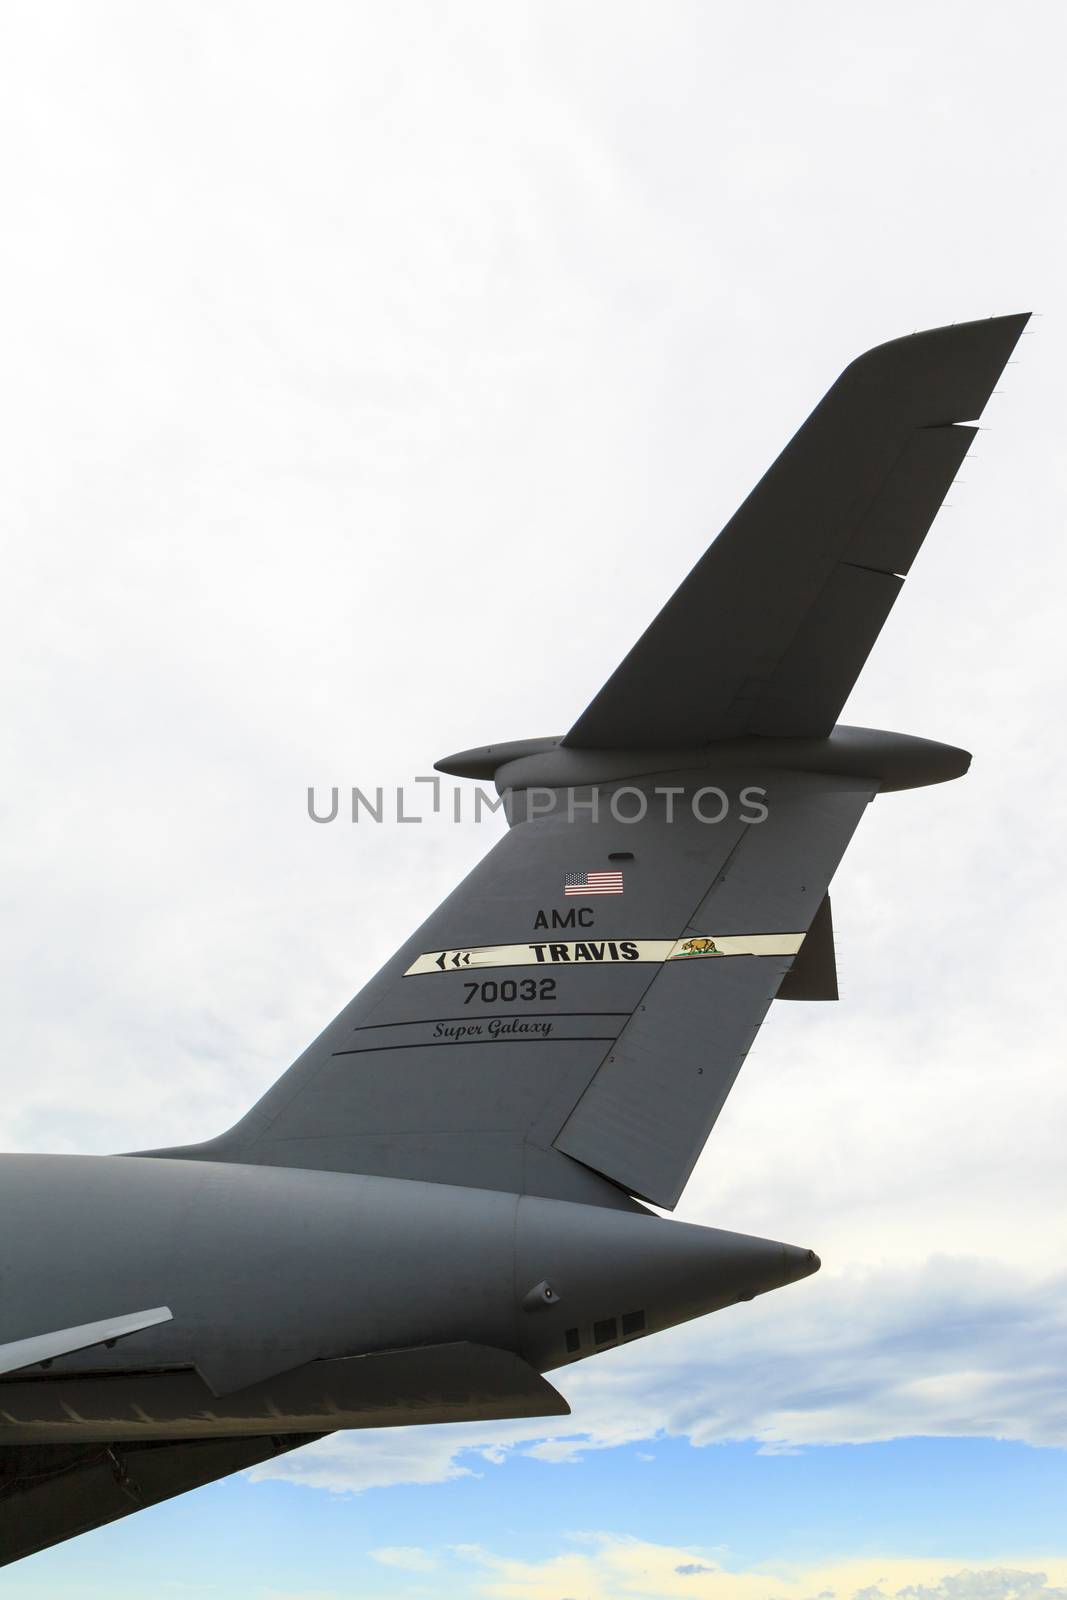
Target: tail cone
617 1276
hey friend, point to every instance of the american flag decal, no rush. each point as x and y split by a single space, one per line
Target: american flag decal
586 883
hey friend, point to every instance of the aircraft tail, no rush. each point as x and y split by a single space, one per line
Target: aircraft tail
570 1020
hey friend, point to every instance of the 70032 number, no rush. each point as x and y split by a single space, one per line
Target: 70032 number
490 993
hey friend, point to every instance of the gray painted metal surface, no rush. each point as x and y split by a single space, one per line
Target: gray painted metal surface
441 1199
391 1388
813 975
646 1115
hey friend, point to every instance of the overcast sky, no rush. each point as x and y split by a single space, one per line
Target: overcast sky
371 374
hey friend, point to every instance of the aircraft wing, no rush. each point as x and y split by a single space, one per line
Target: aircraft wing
49 1493
769 631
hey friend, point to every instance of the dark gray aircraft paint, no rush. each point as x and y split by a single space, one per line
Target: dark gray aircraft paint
441 1200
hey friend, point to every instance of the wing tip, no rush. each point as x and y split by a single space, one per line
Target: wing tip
940 375
982 329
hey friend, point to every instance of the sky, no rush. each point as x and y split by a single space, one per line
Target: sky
371 375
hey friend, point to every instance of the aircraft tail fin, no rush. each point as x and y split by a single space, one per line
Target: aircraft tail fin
570 1020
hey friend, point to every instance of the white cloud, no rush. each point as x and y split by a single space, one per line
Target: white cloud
955 1347
383 1457
606 1566
408 1557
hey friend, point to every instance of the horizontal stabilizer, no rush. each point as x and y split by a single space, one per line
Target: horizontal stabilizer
768 633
